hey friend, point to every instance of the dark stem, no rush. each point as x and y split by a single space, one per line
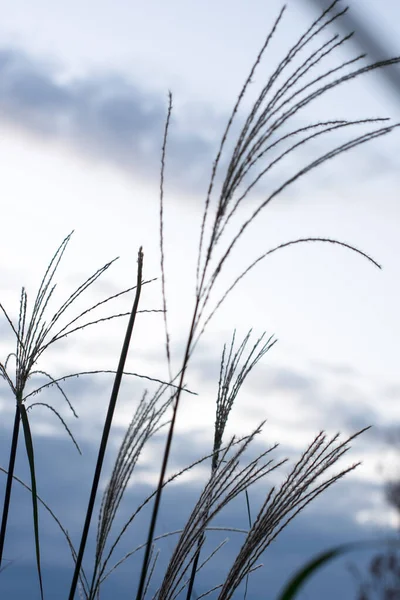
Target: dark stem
194 568
10 474
167 450
201 538
107 427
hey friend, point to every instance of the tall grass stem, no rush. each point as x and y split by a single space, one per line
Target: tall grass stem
11 465
107 427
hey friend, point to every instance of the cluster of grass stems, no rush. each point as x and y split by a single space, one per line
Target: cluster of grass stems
267 136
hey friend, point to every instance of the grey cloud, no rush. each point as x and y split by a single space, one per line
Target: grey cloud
286 379
349 412
340 370
105 115
392 392
29 94
345 408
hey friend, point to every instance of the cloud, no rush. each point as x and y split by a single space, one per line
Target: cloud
103 115
286 379
108 117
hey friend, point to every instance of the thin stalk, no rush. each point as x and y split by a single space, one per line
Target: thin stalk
250 526
167 450
162 253
11 465
31 461
153 521
107 427
201 538
227 393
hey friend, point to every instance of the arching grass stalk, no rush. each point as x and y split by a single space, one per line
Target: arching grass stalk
270 133
107 427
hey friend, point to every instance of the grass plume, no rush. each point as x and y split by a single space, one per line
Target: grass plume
267 137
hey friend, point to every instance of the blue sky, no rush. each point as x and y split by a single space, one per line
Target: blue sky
83 100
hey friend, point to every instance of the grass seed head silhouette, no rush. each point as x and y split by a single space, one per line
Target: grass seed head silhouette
268 137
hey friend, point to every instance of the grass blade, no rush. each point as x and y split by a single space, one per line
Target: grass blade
107 427
31 459
295 584
7 496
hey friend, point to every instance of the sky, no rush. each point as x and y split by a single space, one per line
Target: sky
83 103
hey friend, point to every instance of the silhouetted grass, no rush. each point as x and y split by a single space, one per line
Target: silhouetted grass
268 135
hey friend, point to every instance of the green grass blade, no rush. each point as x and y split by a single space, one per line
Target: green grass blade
31 459
293 587
301 577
